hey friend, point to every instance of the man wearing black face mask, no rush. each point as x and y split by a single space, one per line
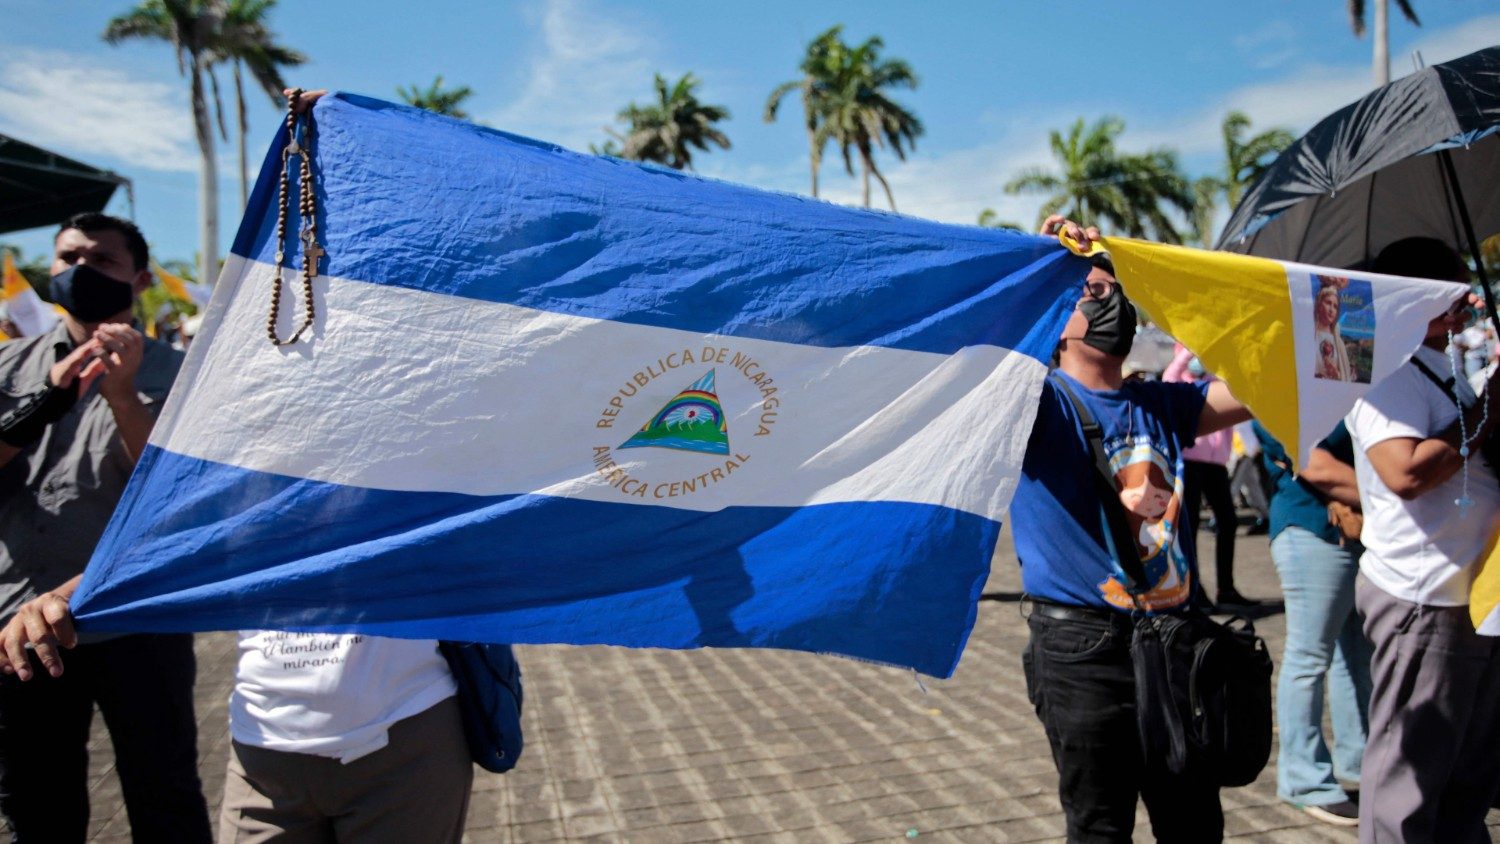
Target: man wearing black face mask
1078 668
76 407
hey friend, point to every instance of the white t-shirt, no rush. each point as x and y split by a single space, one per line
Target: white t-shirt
1423 550
331 694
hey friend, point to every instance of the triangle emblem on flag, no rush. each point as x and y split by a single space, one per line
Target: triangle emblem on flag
691 421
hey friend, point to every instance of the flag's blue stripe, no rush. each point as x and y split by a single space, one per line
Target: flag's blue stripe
885 581
411 199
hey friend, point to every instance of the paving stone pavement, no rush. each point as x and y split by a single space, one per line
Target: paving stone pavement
772 746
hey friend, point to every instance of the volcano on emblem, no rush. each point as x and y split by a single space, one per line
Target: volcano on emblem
692 421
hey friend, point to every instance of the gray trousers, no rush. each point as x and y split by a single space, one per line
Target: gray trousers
1432 762
416 788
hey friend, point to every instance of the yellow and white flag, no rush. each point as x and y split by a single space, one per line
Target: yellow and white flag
27 310
1296 343
179 289
1484 594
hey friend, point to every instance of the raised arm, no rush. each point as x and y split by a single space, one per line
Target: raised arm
1221 410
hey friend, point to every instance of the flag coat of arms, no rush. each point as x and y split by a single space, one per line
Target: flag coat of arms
551 397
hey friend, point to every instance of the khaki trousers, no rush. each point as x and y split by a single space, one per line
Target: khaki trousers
416 788
1432 761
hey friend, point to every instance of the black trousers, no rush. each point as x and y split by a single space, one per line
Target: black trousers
1211 481
143 686
1081 682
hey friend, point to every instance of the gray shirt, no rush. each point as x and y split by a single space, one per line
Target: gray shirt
57 495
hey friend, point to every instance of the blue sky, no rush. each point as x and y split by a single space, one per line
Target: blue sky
995 76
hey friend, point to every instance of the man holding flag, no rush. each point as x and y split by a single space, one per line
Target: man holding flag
76 407
1078 668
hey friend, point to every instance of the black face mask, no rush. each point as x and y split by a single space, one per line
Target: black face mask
1111 323
89 295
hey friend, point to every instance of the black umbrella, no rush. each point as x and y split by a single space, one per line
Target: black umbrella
41 188
1420 156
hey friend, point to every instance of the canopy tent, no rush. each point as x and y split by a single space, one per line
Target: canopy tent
41 188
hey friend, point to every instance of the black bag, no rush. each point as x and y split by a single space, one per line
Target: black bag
1202 689
1203 696
489 701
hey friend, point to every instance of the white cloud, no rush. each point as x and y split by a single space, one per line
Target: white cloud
953 186
586 69
1306 94
85 109
1270 45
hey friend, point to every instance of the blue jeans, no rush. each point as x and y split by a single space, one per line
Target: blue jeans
1323 639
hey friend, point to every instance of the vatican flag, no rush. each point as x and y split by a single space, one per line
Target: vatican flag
27 310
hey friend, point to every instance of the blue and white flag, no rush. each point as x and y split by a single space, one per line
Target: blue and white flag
559 398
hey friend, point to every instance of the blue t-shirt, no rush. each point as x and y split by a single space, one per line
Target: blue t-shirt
1058 522
1294 503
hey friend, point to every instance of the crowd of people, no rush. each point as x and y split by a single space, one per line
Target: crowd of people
324 748
1375 540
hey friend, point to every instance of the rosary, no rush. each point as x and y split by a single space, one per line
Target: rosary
1463 501
307 210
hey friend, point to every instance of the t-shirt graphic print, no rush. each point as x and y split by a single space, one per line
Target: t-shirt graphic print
1151 493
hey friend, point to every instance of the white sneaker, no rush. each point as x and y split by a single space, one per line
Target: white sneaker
1342 813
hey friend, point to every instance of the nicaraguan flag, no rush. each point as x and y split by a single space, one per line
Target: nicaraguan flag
552 397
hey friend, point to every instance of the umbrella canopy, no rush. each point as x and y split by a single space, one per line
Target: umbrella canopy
41 188
1372 172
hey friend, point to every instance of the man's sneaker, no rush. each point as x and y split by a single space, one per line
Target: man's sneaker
1342 813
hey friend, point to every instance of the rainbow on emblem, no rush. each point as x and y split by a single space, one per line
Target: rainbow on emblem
691 421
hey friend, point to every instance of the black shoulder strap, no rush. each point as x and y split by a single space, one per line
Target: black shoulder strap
1119 535
1446 384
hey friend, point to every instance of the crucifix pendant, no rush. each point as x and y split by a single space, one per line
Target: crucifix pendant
311 251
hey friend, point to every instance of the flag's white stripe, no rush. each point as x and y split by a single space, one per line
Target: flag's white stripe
411 390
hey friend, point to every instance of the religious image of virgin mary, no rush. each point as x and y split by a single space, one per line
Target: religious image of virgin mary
1331 356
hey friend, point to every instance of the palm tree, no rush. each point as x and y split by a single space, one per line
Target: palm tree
1244 163
666 131
1381 62
610 147
192 28
246 41
989 218
1098 184
819 77
437 99
855 112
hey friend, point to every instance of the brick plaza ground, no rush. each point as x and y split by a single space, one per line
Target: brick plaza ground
770 746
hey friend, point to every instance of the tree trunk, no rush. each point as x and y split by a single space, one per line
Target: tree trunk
889 197
812 152
239 98
208 182
864 165
1382 39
